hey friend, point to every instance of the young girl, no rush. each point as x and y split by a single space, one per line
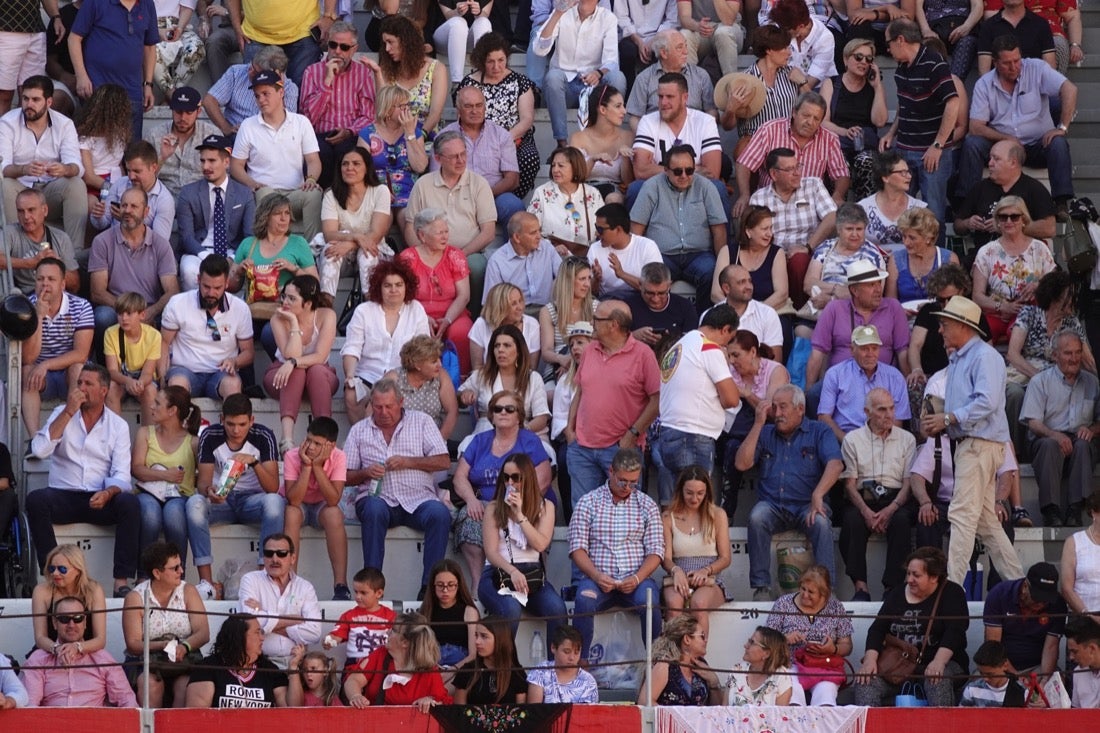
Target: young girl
764 677
494 676
562 680
312 682
103 130
451 613
578 336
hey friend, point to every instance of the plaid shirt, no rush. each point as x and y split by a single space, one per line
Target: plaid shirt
618 536
796 219
415 436
820 156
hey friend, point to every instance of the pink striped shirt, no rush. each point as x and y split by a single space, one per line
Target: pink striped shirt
347 104
820 156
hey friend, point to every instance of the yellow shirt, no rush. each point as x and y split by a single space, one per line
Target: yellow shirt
280 21
148 347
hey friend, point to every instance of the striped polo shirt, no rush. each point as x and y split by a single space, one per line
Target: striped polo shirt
924 86
74 315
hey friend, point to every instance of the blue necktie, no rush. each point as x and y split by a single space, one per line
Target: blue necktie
221 243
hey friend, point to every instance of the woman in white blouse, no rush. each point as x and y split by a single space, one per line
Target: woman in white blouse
504 304
507 366
379 327
565 205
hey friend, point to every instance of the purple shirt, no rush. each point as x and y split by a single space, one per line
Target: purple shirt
491 155
833 333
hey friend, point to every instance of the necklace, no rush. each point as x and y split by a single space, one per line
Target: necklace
693 530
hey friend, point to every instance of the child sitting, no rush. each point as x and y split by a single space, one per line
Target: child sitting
562 680
311 680
996 688
365 626
132 349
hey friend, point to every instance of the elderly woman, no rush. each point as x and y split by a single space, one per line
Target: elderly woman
507 367
177 620
607 146
395 142
817 627
565 205
891 201
237 669
66 574
771 46
442 281
919 256
503 304
857 109
680 674
410 661
424 385
571 301
828 268
509 102
379 328
1007 270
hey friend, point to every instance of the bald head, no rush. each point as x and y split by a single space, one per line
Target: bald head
613 320
736 284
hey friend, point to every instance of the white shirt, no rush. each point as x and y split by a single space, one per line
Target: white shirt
374 347
376 200
208 243
194 347
481 333
762 320
298 599
689 372
19 146
636 255
582 46
700 131
86 460
275 155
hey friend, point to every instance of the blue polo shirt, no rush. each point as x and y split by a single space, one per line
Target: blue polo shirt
791 466
1023 636
115 40
844 392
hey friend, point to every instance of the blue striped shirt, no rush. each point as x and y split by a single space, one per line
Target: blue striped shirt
74 315
236 98
976 392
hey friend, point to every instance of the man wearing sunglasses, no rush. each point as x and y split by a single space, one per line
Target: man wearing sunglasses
338 98
93 680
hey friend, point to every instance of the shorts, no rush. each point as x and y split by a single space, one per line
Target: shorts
29 49
203 384
57 385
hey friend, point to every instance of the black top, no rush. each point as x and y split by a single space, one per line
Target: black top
983 197
449 625
933 354
908 622
676 319
256 689
851 108
1033 33
762 285
484 689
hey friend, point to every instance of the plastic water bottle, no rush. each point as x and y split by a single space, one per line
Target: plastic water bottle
105 192
857 141
538 648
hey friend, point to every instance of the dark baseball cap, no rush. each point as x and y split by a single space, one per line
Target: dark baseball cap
185 99
269 78
216 142
1042 580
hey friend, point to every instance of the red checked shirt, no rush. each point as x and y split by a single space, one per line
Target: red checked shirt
820 156
617 535
347 104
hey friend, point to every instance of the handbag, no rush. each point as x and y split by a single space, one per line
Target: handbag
899 659
355 299
912 696
165 668
814 668
534 572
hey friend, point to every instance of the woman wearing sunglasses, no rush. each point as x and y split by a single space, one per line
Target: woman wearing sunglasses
565 205
66 575
478 475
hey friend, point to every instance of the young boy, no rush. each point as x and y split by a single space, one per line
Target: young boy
364 627
132 361
996 688
561 680
314 475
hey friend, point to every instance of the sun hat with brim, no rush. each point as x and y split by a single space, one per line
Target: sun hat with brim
579 328
863 271
752 104
965 311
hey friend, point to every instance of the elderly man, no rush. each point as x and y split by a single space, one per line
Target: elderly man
640 23
214 214
70 678
175 140
142 171
844 390
1083 646
527 261
338 98
391 458
669 50
974 215
799 461
974 416
876 464
269 150
89 451
29 240
618 256
1012 102
928 107
819 151
805 214
231 101
1062 412
616 543
292 28
753 315
660 316
696 390
54 355
711 28
285 602
684 215
615 398
1028 616
39 149
490 151
1016 19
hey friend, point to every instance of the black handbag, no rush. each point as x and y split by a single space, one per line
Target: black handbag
533 571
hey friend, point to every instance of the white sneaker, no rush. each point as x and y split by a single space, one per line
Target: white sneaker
206 590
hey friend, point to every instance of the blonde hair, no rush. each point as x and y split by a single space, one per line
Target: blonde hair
85 586
387 98
496 303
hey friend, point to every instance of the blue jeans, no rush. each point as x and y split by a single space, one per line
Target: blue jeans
932 186
536 65
507 205
545 604
560 94
765 520
588 468
299 55
105 317
171 516
249 508
592 600
696 268
376 516
1055 158
674 451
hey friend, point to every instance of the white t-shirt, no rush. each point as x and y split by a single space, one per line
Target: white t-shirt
377 200
636 255
700 131
689 399
481 333
762 320
275 155
194 347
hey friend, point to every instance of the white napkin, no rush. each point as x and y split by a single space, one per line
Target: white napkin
521 597
395 679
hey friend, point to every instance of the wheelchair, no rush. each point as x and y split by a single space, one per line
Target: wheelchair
16 563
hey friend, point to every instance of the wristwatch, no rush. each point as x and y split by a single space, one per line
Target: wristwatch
634 431
946 420
936 145
1063 127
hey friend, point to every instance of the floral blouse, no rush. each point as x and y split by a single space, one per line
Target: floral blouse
741 694
678 691
391 162
565 217
832 620
1007 276
1038 345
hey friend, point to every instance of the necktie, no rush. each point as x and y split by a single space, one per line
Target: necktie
221 243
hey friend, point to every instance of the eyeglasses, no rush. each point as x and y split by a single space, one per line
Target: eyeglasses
515 478
754 642
510 409
792 169
597 319
70 618
213 326
599 229
863 58
1016 216
902 171
276 553
342 46
51 569
624 483
446 586
682 171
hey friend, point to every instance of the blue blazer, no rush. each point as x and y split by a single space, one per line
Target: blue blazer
193 214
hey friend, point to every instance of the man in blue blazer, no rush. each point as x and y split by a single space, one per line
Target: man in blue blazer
197 211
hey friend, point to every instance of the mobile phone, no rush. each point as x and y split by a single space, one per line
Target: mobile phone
872 75
315 31
816 636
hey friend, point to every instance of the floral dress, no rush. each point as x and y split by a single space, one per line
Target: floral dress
391 162
740 693
570 218
420 96
678 691
1038 343
502 107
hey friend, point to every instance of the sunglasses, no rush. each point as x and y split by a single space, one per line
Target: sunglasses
627 484
515 478
70 618
861 57
51 569
573 212
682 171
276 553
510 409
599 229
1009 217
213 326
342 46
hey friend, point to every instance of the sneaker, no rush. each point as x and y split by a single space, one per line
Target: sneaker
1021 517
285 445
341 593
760 595
861 596
122 591
1073 514
206 591
1052 517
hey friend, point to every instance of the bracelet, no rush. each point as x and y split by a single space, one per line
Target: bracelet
639 580
1070 45
296 330
185 645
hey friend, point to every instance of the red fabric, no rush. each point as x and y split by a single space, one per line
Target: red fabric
422 683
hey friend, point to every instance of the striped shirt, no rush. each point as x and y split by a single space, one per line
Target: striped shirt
821 156
347 105
924 87
700 131
236 98
416 436
74 315
778 100
618 536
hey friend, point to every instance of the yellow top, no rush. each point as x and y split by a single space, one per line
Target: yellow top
281 21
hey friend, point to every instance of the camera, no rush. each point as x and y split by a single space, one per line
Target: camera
873 488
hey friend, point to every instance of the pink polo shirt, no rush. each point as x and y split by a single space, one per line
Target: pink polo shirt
615 389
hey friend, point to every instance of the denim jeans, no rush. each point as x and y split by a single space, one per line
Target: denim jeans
544 603
376 516
932 186
47 507
588 468
591 600
299 55
766 519
536 65
507 205
171 516
674 451
696 268
1055 158
245 508
560 94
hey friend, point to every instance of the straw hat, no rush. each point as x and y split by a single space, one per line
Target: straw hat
753 103
964 311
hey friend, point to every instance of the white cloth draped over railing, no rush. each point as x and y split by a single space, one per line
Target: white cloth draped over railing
761 719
